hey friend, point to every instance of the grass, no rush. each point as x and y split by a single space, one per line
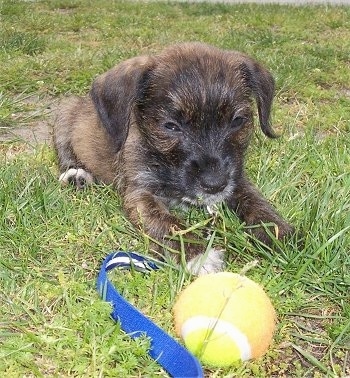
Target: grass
52 240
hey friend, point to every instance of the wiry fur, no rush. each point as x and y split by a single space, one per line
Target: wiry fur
169 129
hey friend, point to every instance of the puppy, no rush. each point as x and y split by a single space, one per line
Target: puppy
172 129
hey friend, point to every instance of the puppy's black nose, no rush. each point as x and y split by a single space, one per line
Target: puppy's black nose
210 173
213 183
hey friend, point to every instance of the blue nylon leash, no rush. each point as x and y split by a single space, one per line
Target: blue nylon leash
171 355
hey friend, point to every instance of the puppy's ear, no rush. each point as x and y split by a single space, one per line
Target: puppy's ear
262 84
113 94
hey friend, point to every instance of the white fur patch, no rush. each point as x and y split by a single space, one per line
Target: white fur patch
210 262
78 176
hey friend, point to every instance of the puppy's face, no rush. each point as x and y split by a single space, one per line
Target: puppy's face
195 116
192 108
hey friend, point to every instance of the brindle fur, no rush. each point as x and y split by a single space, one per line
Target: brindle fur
169 129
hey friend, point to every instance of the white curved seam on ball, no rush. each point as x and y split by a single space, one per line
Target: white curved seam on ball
220 326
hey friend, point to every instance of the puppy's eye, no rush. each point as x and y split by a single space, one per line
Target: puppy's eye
238 122
172 126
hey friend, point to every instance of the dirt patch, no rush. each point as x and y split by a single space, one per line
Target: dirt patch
31 126
40 132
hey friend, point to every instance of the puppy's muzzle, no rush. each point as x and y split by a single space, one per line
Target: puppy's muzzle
212 175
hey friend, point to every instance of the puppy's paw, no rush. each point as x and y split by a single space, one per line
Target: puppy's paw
76 176
269 235
210 262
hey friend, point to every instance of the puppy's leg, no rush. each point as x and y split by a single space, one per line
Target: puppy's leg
253 209
157 222
72 170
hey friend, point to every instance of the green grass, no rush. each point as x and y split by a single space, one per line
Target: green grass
52 240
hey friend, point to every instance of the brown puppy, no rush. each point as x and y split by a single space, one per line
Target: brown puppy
172 129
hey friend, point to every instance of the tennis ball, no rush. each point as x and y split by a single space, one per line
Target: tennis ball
224 318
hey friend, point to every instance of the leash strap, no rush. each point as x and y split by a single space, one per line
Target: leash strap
171 355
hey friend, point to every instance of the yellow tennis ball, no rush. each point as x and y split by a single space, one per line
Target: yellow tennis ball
224 318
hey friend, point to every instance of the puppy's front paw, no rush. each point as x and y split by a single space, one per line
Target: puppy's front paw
269 234
210 262
76 176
